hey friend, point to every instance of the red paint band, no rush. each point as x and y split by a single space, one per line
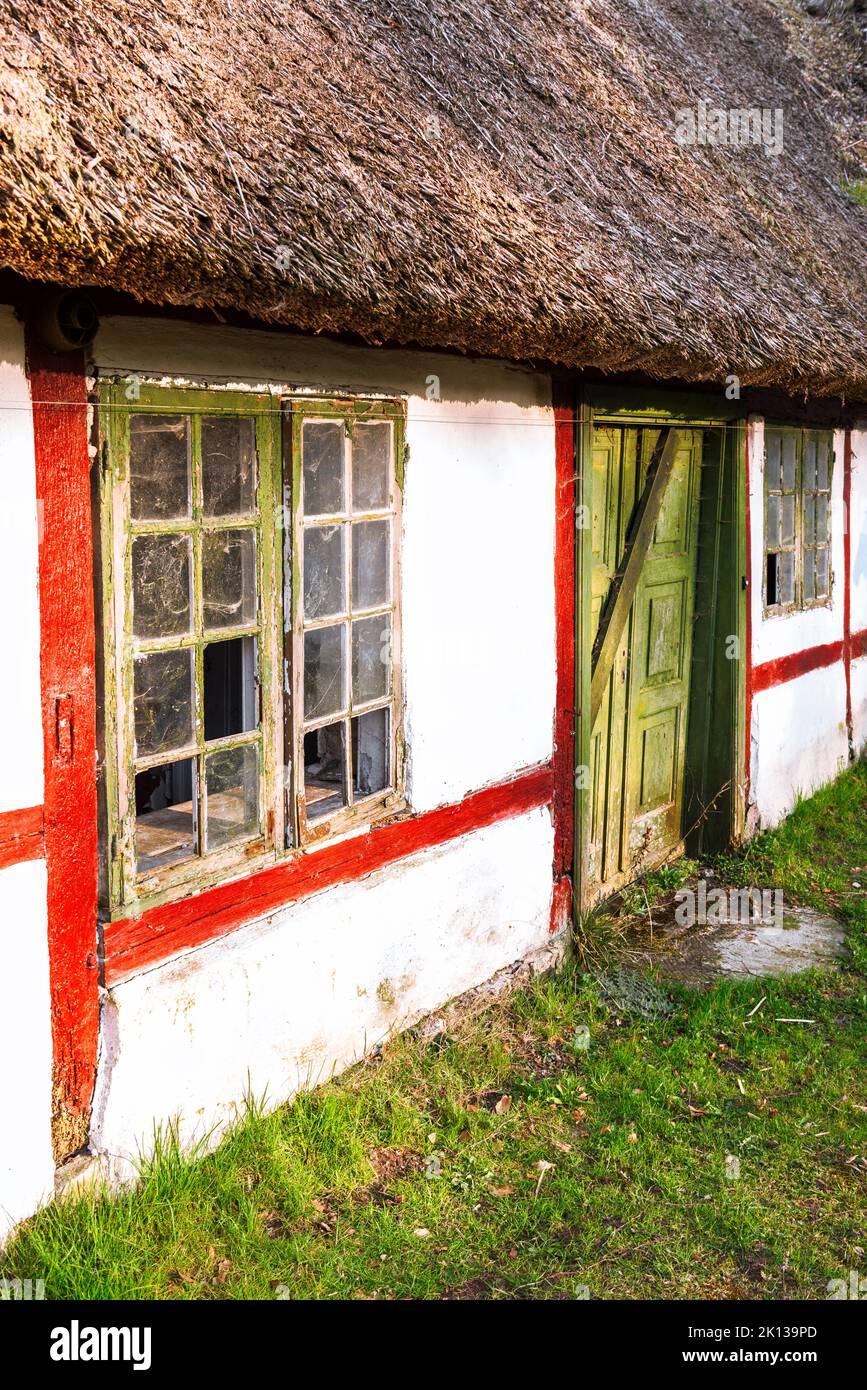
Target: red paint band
858 644
564 609
789 668
160 932
21 836
67 662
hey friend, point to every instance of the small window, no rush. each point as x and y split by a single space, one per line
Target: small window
798 469
344 632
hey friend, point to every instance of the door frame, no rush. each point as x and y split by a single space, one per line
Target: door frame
607 403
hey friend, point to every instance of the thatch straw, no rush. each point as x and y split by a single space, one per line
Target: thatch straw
498 176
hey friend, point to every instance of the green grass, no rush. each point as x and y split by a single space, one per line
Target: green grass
857 189
412 1177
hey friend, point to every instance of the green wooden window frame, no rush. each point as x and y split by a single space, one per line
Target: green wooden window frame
231 775
364 709
798 474
273 819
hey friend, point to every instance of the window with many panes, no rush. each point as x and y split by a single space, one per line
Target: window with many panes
250 576
798 472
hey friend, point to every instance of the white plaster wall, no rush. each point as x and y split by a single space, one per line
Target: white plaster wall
285 1002
26 1162
20 700
478 552
858 526
799 738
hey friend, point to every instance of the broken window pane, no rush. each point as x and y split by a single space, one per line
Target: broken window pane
325 770
322 467
228 465
161 567
772 579
371 658
370 752
231 692
324 571
231 795
370 459
324 671
229 578
371 580
165 814
159 466
163 701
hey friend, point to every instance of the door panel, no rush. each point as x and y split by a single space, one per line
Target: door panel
639 741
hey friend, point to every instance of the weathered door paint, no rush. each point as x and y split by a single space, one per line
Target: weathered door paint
638 742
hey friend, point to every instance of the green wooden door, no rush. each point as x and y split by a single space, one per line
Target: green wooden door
638 743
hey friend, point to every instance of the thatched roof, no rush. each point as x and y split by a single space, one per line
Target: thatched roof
498 176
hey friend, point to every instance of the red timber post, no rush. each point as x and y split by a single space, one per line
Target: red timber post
564 608
847 587
67 658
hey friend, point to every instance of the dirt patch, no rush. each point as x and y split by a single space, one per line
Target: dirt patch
728 939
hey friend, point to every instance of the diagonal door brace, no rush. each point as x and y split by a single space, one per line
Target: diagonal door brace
625 581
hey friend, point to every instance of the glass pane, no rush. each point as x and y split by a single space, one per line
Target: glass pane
823 459
772 538
823 587
231 795
809 520
371 446
159 467
787 518
809 479
772 459
322 466
787 577
324 671
325 770
789 455
371 658
809 575
371 580
161 600
163 701
231 693
229 578
324 571
165 814
228 465
822 518
370 752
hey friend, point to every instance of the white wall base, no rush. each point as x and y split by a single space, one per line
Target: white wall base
799 741
284 1003
26 1159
